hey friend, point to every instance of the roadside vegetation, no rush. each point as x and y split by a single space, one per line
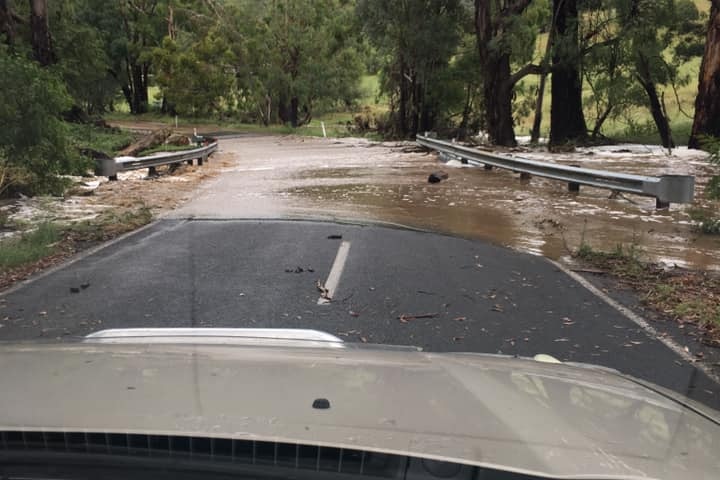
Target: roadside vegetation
49 243
688 297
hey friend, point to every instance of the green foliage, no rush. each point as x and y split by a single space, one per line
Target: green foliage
635 45
706 220
33 138
712 146
415 73
30 247
296 57
83 63
193 77
106 140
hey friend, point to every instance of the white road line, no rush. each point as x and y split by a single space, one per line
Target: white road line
640 321
335 272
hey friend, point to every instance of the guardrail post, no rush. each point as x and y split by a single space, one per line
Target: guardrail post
152 172
189 162
113 178
201 160
487 167
525 176
659 204
572 186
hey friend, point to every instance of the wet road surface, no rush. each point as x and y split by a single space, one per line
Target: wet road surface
394 286
288 177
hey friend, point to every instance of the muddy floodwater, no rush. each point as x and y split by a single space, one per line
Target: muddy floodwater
352 179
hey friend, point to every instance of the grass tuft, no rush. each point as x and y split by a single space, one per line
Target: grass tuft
30 247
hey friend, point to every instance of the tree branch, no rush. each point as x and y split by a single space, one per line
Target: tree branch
529 69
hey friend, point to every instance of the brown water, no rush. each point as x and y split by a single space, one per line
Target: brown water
354 179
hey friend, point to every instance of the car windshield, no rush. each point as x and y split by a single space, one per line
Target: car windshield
484 233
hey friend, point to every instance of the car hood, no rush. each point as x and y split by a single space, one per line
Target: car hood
513 414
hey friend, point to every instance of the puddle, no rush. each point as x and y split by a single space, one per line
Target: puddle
349 179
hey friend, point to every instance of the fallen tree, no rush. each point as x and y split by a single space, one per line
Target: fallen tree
153 139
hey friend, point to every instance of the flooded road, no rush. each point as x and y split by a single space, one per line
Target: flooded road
354 179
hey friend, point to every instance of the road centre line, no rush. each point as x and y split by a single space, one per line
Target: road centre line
335 273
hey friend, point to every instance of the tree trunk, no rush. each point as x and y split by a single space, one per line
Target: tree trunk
40 33
402 108
7 23
658 113
294 105
148 141
497 79
567 121
601 120
414 107
707 102
283 114
656 107
497 93
537 121
138 90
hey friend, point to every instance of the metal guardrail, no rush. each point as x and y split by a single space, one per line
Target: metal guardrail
110 167
666 189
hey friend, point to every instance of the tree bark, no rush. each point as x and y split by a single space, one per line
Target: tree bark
567 121
497 92
495 71
40 33
707 102
138 89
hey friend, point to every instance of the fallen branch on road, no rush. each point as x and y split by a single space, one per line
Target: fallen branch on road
405 318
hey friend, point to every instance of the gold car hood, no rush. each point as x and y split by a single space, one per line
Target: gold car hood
553 420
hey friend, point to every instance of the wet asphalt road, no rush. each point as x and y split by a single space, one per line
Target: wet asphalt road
213 273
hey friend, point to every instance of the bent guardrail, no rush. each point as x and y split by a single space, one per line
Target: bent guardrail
666 189
110 167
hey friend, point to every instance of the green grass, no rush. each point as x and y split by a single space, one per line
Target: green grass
106 140
30 247
109 225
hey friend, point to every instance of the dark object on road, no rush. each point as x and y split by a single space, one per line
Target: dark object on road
74 290
334 237
85 285
295 270
321 403
437 177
